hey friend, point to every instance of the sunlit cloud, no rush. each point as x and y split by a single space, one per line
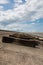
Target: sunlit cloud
30 11
3 1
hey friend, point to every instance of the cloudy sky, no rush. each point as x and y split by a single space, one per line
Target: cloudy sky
21 15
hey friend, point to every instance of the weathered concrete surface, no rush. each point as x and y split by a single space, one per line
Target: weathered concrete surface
12 54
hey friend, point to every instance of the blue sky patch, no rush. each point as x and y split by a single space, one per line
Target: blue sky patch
21 15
